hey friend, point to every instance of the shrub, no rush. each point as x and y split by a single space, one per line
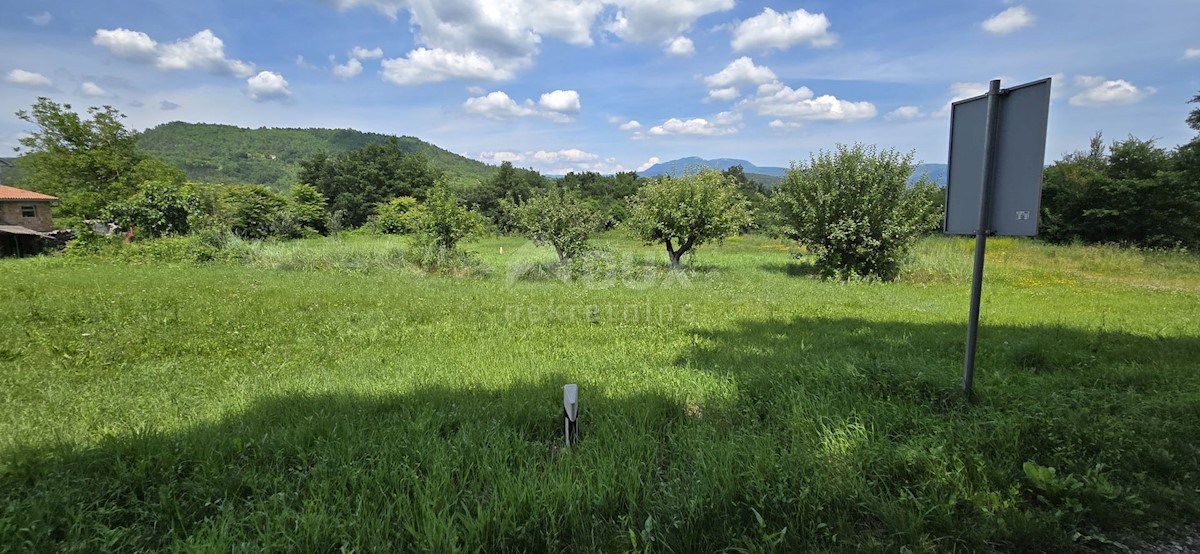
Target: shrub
157 209
685 212
443 221
396 217
558 218
855 210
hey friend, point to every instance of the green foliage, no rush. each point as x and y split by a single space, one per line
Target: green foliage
355 181
686 212
508 187
156 209
1131 193
309 206
853 207
86 162
1193 118
271 156
255 211
443 221
558 218
396 217
608 194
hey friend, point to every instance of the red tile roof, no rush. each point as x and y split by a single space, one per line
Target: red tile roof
14 193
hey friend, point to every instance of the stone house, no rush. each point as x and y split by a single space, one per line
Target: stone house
24 219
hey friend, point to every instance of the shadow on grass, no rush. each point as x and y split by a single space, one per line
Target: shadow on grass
436 469
793 268
1113 413
831 434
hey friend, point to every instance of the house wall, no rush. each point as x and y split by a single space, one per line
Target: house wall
10 214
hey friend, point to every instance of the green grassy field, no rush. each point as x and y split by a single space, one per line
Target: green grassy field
323 396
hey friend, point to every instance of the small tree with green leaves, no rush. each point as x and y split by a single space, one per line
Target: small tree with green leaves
308 205
685 212
443 221
855 209
396 217
156 209
559 218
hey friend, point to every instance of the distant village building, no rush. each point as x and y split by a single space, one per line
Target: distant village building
24 220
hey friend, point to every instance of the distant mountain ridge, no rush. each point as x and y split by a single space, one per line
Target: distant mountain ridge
770 176
216 153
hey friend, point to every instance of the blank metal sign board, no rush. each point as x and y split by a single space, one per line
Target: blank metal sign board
1020 157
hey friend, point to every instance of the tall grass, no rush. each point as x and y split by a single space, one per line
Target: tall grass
320 395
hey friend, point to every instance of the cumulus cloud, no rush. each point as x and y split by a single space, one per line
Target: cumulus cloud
781 124
774 30
203 50
725 123
558 106
348 70
741 71
654 20
561 101
498 105
1192 54
679 47
555 162
649 163
904 113
29 79
631 125
723 94
424 65
1008 21
1100 92
267 85
40 19
92 89
167 105
364 54
801 104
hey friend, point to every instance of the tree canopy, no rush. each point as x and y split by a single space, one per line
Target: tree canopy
685 212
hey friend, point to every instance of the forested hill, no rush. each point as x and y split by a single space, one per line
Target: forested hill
271 156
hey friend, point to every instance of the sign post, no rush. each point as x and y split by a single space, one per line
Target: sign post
994 186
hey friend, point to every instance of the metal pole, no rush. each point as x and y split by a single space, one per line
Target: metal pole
981 232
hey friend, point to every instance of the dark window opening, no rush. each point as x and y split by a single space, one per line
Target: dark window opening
28 211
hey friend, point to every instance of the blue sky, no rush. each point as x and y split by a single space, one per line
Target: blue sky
609 85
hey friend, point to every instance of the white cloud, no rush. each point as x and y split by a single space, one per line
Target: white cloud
41 19
348 70
561 101
723 94
476 90
92 89
631 125
725 123
1100 92
649 163
679 47
904 113
653 20
1008 21
557 106
559 157
364 54
203 50
126 43
424 65
498 105
267 85
497 158
741 71
30 79
1191 54
778 100
301 62
781 124
772 29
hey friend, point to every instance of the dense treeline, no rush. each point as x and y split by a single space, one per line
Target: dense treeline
212 153
856 208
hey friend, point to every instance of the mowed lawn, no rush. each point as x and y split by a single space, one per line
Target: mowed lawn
294 403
